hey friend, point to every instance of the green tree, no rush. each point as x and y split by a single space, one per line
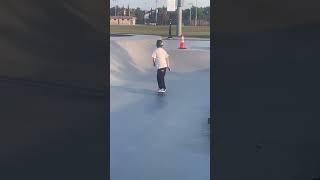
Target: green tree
200 13
139 14
164 15
186 16
113 9
207 13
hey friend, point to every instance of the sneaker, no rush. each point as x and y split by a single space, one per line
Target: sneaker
160 90
163 90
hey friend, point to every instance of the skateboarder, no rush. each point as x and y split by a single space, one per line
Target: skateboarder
161 60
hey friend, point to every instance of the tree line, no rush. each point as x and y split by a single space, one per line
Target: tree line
163 16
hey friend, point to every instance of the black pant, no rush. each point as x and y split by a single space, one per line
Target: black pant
160 77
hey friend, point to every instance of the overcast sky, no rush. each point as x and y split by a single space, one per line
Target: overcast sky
147 4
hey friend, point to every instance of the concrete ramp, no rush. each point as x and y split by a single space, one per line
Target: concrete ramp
159 137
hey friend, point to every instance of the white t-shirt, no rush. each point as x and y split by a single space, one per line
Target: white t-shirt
160 55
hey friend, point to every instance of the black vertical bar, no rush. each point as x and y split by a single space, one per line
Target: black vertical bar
170 36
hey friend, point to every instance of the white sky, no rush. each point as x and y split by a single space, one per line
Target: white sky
147 4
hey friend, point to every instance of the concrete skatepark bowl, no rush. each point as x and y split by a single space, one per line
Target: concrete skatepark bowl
153 137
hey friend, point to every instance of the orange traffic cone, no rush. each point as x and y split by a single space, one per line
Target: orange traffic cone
182 46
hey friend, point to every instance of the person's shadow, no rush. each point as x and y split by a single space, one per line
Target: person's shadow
155 101
135 90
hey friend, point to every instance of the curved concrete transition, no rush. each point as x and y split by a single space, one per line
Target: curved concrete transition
159 137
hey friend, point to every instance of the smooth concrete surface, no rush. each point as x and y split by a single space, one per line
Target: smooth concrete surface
159 137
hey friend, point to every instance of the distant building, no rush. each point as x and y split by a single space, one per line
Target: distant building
122 20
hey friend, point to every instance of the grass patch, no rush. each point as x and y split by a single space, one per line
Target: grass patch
188 31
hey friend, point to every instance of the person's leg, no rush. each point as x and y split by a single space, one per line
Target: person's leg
163 81
159 78
162 72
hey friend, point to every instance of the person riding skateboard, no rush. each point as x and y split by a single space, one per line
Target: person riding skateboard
160 59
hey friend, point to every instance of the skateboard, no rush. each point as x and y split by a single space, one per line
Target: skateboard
161 93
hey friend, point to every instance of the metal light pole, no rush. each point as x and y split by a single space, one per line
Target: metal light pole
144 16
129 8
115 7
156 12
190 17
179 18
196 18
170 36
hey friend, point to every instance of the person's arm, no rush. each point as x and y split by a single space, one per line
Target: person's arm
168 63
154 58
